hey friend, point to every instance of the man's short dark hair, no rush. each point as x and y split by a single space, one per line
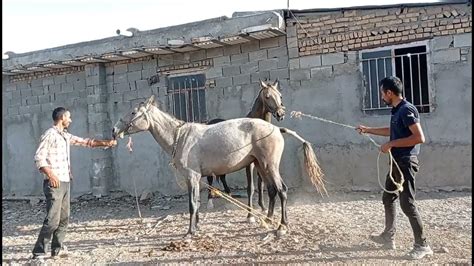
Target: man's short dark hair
393 84
58 113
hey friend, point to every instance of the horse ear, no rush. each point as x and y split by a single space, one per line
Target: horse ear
150 101
262 84
275 84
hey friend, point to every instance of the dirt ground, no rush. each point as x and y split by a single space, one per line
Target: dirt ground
331 230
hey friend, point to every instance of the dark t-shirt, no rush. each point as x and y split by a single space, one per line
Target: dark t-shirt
404 115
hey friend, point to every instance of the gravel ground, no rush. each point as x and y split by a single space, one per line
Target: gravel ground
331 230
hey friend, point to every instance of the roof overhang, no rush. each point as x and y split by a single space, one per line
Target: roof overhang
176 39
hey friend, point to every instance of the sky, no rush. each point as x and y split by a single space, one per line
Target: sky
30 25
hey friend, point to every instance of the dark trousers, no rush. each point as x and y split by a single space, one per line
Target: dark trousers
57 218
409 167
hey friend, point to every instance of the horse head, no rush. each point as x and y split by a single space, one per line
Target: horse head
272 99
135 120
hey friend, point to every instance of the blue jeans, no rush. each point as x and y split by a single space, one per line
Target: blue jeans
57 218
409 167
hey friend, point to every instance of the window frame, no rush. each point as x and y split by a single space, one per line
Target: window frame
392 48
202 109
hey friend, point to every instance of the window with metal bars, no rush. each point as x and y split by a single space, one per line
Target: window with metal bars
409 64
187 97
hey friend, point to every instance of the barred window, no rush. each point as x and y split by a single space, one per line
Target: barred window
409 64
187 97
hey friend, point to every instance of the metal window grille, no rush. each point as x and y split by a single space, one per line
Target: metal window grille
187 97
409 64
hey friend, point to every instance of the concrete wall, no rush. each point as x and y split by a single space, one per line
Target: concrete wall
334 83
327 85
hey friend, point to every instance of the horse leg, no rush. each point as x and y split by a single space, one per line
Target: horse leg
272 192
282 194
193 193
250 188
224 183
210 204
260 185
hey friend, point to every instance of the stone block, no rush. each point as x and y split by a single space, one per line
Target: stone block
310 61
283 62
37 83
79 84
442 42
144 93
221 61
294 63
239 59
232 49
120 78
258 55
292 43
43 99
229 71
279 74
462 40
214 72
268 64
142 84
130 95
251 67
241 79
269 43
59 79
133 76
277 52
332 59
321 72
262 75
37 91
250 46
224 82
120 69
67 87
446 56
13 110
300 74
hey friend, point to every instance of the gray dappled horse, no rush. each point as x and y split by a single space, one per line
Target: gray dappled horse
198 150
268 102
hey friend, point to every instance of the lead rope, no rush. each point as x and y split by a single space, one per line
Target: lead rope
129 147
399 185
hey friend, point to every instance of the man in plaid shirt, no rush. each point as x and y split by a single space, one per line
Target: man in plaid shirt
53 159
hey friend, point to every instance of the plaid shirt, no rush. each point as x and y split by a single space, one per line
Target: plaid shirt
53 151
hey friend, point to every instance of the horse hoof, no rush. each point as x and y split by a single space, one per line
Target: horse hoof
210 205
251 220
281 232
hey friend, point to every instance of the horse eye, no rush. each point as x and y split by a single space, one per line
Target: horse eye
133 113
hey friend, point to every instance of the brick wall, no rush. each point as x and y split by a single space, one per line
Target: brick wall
329 32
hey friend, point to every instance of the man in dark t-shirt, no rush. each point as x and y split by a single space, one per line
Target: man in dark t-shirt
406 135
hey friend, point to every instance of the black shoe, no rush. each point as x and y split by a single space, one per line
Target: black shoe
59 253
382 239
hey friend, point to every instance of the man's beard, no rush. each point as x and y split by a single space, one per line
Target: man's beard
387 103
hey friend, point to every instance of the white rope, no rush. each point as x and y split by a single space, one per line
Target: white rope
399 185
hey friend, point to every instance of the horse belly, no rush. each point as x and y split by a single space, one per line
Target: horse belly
225 164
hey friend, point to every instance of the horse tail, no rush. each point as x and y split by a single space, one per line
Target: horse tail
310 161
